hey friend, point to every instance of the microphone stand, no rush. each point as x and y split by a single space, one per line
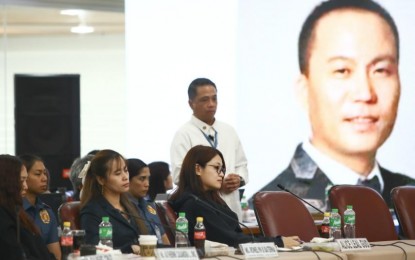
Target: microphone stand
223 214
303 200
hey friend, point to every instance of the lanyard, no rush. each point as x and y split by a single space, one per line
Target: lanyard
208 138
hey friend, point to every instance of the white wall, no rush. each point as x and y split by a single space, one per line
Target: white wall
100 62
169 43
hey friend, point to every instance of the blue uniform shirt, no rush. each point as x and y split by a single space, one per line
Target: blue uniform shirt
44 219
148 211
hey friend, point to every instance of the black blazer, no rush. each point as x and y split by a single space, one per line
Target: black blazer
219 228
30 244
124 232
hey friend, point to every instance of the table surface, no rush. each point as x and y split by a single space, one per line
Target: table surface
378 252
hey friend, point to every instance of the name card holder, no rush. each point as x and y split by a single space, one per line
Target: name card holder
95 257
255 250
353 244
185 253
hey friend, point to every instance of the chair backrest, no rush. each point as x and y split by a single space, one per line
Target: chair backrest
373 218
167 217
404 203
69 211
280 213
53 200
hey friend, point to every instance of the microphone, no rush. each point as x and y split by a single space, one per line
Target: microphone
211 137
223 214
303 200
174 230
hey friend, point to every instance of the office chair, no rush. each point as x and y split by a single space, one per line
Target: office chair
168 218
373 219
403 199
70 211
280 213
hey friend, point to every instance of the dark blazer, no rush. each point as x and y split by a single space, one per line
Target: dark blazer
316 187
30 244
124 232
219 228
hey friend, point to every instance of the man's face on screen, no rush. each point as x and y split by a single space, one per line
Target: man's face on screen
352 88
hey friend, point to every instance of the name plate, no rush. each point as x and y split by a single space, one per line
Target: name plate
95 257
185 253
353 244
255 250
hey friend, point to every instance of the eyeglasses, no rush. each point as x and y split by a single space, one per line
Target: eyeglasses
218 168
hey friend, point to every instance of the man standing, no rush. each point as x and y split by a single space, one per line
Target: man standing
204 129
350 88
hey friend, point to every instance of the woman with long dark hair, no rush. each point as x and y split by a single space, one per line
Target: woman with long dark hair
139 186
160 179
19 237
104 194
201 175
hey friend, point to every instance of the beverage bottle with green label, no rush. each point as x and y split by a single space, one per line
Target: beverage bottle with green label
105 232
182 230
335 224
349 222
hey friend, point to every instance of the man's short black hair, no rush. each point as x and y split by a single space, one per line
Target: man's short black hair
308 29
199 82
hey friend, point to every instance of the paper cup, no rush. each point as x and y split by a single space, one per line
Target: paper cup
147 245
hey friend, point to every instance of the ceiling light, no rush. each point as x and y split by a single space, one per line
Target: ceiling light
82 29
72 12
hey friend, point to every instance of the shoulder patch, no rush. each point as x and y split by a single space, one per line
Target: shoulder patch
44 216
151 210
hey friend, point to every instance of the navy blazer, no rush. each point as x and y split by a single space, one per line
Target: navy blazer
124 232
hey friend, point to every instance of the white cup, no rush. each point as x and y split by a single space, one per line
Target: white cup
147 245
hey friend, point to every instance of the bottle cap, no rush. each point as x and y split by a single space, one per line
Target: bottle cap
349 207
199 219
105 219
334 210
67 224
327 214
182 214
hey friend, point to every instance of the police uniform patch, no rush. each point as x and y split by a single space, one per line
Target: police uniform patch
151 210
44 216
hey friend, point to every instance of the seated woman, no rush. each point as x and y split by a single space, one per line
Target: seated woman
41 213
201 175
139 186
104 194
160 180
28 244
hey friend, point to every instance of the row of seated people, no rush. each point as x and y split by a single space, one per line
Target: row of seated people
106 193
35 190
202 173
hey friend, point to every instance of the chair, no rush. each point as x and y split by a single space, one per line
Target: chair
53 200
403 199
373 218
280 213
168 218
69 211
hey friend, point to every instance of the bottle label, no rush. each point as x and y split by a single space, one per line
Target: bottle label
66 240
349 219
335 222
105 232
200 235
325 229
182 227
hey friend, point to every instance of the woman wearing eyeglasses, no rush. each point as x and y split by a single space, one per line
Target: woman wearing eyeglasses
201 175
